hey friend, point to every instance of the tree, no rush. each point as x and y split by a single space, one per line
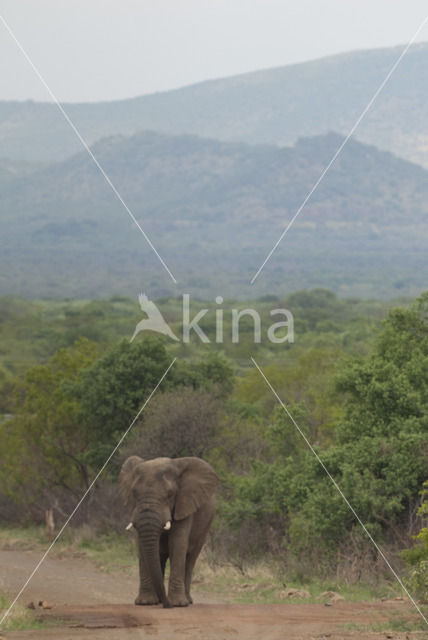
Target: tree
178 423
115 386
45 442
387 393
378 454
308 386
417 556
73 410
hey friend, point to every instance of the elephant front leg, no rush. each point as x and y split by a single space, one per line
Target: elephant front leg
176 587
146 594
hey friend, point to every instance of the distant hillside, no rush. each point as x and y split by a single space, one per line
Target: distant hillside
10 170
275 106
214 210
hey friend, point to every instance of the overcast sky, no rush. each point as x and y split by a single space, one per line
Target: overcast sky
90 50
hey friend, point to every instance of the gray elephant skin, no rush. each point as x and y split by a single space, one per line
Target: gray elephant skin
172 502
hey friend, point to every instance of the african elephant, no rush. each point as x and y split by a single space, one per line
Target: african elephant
172 503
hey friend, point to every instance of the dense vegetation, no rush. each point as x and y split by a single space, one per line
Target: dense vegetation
355 382
214 210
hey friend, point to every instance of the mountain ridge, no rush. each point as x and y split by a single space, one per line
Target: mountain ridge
213 210
275 106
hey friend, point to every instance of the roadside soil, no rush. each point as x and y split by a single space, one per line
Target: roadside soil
90 604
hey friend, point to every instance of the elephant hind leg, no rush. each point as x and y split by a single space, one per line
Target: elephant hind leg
190 564
191 558
195 547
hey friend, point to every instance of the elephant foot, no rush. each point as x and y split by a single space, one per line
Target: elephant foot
178 600
146 599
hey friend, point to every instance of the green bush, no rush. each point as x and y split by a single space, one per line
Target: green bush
417 556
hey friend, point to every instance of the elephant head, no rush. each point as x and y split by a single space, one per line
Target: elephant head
159 493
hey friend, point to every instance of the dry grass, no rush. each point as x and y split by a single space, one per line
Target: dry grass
19 618
261 581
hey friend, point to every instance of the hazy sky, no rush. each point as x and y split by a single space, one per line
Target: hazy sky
108 49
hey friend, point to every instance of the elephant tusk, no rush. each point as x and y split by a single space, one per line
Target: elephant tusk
167 527
129 526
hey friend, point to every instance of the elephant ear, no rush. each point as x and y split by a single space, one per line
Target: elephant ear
197 483
126 479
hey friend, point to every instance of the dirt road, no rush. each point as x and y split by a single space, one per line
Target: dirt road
94 605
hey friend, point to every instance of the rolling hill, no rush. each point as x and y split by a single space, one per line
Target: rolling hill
213 210
275 106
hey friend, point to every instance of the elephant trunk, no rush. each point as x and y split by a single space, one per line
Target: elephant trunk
148 540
